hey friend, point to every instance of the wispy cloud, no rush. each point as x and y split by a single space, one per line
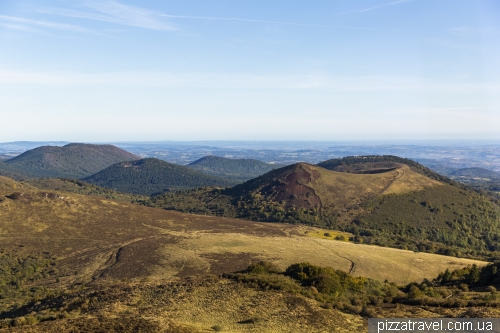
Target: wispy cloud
373 8
117 13
276 22
450 113
22 23
472 31
247 81
13 26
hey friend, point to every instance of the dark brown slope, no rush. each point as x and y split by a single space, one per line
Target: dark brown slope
289 186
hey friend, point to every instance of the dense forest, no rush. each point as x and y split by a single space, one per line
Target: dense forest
151 176
75 160
235 169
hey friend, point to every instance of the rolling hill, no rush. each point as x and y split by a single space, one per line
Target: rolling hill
384 202
152 176
77 263
235 169
476 172
75 160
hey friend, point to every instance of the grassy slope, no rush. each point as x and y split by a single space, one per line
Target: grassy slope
192 305
82 232
8 185
354 163
71 161
149 176
259 299
73 240
400 207
235 169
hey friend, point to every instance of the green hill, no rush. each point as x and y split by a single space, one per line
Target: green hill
74 160
236 169
476 172
152 176
386 202
10 172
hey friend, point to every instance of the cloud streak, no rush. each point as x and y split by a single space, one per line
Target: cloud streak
245 81
373 8
21 23
117 13
472 31
277 22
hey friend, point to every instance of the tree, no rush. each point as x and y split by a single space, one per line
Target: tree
474 274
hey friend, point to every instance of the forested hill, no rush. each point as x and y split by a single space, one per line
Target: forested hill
152 176
236 169
75 160
10 172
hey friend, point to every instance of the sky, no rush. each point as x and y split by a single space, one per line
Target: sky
103 70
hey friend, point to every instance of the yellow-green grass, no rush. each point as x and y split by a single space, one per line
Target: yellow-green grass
99 238
192 305
101 241
339 188
8 185
345 193
326 233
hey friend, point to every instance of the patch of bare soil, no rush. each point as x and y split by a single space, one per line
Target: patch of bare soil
230 262
293 189
137 259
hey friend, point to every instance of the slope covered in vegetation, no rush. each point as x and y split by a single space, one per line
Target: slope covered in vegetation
386 202
74 160
476 172
235 169
79 263
81 187
152 176
363 164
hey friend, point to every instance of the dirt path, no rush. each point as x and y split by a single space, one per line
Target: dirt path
352 269
398 176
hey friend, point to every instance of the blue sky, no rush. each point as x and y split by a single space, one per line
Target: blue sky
249 70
